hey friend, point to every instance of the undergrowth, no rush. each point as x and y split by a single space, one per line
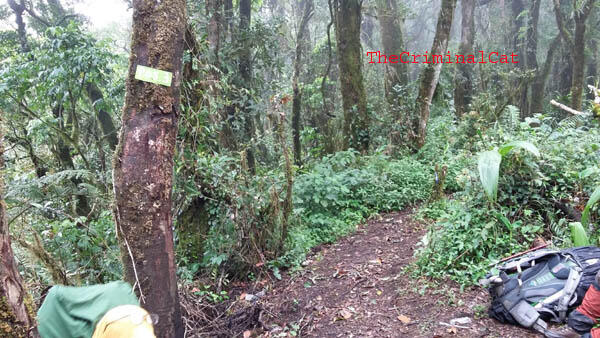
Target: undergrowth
537 196
343 189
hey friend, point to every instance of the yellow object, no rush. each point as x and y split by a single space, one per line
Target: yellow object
125 321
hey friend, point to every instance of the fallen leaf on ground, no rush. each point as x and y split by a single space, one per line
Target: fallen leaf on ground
376 261
452 330
339 273
345 315
404 319
243 296
247 334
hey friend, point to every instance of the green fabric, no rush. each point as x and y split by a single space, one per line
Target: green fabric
73 312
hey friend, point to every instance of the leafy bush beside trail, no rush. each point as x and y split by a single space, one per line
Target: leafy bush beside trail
343 189
537 196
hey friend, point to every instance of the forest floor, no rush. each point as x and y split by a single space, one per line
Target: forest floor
360 287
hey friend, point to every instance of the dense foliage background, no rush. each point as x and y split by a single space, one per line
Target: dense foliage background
246 201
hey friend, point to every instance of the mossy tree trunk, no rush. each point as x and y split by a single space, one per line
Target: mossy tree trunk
347 30
227 25
576 45
579 55
518 45
16 317
308 7
592 67
62 152
245 62
106 123
463 78
538 86
531 50
390 21
143 162
18 8
429 77
327 93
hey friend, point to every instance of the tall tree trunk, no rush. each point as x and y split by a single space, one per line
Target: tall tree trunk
18 9
214 28
390 22
65 160
246 73
592 68
576 44
430 75
579 55
463 80
367 27
106 123
538 87
143 162
297 100
15 304
325 117
228 26
518 45
531 56
565 70
347 30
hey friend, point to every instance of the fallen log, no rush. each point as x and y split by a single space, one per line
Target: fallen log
567 108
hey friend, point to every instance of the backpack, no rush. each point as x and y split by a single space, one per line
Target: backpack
542 285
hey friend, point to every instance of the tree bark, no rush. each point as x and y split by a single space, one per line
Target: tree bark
228 9
297 100
538 86
214 28
592 68
576 43
518 45
65 160
430 75
324 118
17 318
143 162
391 22
463 81
579 55
531 49
347 30
246 74
106 123
18 9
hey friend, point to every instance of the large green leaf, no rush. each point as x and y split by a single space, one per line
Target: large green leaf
585 216
588 172
505 149
578 234
489 167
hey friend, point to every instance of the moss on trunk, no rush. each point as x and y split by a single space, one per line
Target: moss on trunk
391 21
463 80
430 75
347 31
16 306
143 162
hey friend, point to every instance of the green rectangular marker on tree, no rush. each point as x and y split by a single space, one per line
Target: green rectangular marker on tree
152 75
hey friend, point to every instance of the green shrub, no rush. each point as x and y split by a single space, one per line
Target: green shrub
469 232
342 189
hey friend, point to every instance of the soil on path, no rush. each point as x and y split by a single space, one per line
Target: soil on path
359 287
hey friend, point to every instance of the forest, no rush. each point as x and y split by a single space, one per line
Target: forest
283 168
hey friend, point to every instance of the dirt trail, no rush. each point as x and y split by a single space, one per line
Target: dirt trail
358 287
